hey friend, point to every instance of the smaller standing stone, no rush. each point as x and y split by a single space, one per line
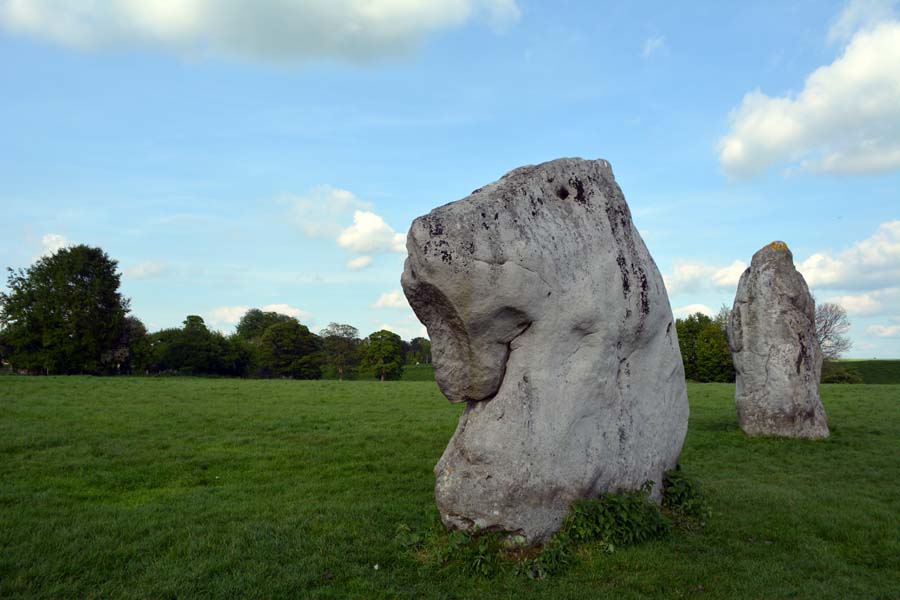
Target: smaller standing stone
772 334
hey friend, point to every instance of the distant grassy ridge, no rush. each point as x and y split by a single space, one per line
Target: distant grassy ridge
880 371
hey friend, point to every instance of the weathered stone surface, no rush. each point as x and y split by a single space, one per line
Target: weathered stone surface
548 316
772 334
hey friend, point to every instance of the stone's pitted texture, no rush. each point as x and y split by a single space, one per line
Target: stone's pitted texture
772 334
548 316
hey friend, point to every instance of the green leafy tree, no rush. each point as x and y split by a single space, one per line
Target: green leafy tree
382 355
704 347
254 323
64 312
419 351
340 344
288 349
131 352
5 350
195 350
689 331
714 362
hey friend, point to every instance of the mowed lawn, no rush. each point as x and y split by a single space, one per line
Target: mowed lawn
217 488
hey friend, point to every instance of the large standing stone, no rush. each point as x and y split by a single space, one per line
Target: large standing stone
548 316
772 334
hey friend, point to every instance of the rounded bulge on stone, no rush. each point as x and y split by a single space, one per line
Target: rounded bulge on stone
474 308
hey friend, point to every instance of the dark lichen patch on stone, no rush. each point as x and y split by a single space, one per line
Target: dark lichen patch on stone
579 190
801 356
562 193
645 298
435 227
626 285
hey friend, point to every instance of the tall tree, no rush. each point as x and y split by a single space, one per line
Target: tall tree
714 361
255 322
340 347
64 312
289 350
419 351
704 347
382 355
195 350
131 351
832 326
689 330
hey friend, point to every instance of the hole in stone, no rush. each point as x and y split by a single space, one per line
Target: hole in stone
562 193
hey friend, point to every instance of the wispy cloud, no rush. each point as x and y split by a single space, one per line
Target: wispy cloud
652 45
356 31
359 263
322 211
392 299
144 270
861 15
884 330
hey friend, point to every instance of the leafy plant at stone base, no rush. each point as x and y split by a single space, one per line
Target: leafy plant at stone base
606 523
382 355
64 312
683 500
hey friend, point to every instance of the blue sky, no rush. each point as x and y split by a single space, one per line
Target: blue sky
273 154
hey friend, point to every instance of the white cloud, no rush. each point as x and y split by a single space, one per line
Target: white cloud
692 276
870 264
358 31
690 309
286 309
860 15
369 234
144 270
231 315
393 299
408 329
226 315
359 263
50 244
653 44
321 211
879 302
845 120
884 330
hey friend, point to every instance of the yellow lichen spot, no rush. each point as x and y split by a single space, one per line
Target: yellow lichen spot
778 246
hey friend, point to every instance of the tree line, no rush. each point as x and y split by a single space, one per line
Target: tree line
64 315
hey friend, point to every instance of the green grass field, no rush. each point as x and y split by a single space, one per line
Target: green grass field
875 371
219 488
